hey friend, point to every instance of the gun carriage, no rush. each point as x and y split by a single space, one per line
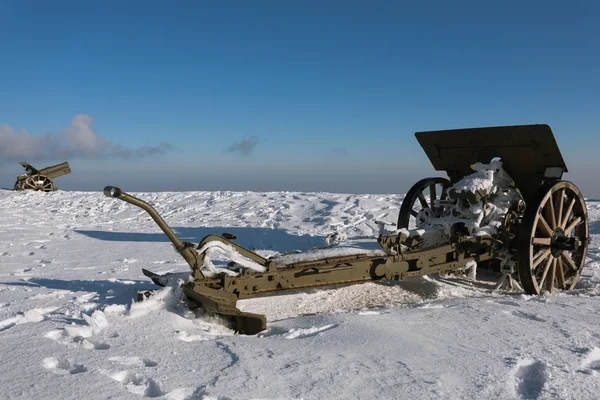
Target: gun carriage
504 201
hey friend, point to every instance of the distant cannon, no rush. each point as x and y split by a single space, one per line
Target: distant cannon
33 179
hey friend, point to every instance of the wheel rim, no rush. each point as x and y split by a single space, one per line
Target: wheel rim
416 208
39 182
556 232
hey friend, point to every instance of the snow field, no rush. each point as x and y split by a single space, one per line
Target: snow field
70 265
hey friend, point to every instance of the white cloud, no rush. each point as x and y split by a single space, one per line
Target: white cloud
78 140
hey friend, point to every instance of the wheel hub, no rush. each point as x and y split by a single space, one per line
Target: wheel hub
561 242
424 216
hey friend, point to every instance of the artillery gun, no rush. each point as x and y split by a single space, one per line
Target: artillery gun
43 179
504 201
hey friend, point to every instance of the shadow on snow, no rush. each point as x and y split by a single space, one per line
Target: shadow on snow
259 238
108 291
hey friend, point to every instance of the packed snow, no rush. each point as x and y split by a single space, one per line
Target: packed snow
70 267
478 203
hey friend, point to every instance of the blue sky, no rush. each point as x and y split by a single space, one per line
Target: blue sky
329 92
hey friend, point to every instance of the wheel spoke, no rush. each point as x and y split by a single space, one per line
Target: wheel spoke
423 196
568 261
423 201
544 225
551 276
560 274
546 268
559 207
553 251
567 214
444 194
549 213
572 225
540 258
432 195
542 241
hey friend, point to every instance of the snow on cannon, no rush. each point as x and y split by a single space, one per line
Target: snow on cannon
42 179
504 201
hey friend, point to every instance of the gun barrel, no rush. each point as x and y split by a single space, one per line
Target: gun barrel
57 170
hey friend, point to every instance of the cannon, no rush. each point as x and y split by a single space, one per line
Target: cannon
43 179
504 203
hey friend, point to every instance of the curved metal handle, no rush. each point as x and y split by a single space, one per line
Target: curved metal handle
187 252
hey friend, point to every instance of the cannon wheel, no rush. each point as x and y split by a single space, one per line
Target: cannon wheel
553 239
409 212
39 182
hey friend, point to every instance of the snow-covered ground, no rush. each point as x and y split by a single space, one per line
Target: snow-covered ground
70 265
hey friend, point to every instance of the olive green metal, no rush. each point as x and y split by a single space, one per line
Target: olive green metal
242 250
219 295
56 170
526 152
529 154
34 179
186 249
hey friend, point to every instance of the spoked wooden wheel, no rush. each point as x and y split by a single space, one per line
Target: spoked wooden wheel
415 209
553 239
39 182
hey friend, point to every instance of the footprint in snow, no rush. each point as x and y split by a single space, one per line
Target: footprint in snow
525 315
81 336
21 254
33 315
134 361
43 263
561 330
137 384
61 366
68 337
529 377
591 363
21 272
190 393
